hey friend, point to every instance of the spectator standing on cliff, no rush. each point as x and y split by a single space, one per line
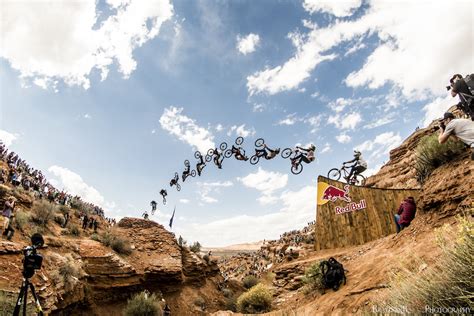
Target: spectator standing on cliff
463 129
406 213
7 213
85 220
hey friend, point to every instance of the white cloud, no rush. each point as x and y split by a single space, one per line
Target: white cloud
337 8
298 208
70 39
354 49
435 109
380 122
184 201
290 119
404 58
241 131
326 148
87 116
248 44
75 185
219 127
349 121
381 145
258 107
207 188
7 138
153 131
186 129
267 182
343 138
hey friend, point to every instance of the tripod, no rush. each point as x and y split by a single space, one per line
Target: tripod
23 298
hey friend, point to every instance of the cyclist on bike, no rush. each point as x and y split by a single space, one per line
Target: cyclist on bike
239 153
359 166
200 165
153 207
175 180
267 152
217 158
186 172
163 193
306 156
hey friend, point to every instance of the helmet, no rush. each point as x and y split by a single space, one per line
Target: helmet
357 153
312 147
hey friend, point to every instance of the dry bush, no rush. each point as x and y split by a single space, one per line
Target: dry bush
313 278
196 247
430 154
249 281
200 302
256 300
143 304
73 230
3 191
21 219
70 272
116 242
59 219
43 212
446 287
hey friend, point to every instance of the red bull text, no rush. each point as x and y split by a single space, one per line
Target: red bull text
351 207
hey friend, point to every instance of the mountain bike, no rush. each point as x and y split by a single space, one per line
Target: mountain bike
260 151
296 165
185 175
335 174
229 152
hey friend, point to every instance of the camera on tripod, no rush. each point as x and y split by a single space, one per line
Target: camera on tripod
32 260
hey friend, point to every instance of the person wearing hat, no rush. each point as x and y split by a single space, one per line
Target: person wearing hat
359 166
463 129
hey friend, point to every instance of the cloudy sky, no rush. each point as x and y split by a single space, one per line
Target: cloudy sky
110 97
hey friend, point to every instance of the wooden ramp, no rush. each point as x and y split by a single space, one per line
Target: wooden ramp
352 215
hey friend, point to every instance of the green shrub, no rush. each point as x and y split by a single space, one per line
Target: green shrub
199 301
196 247
70 271
430 154
73 230
59 219
249 281
63 209
116 242
313 278
43 212
21 219
143 304
256 300
231 304
227 293
447 284
95 237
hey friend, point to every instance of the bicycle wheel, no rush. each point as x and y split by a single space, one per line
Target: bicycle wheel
334 174
228 153
254 159
186 163
210 152
223 146
286 152
360 179
178 187
164 201
208 158
239 140
259 142
296 169
197 154
193 173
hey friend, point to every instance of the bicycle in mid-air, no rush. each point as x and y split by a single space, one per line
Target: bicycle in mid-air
237 151
296 163
356 179
261 151
187 174
174 181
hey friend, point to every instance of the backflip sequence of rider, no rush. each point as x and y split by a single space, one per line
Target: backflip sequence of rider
267 152
239 153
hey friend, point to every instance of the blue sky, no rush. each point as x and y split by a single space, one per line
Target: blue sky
110 97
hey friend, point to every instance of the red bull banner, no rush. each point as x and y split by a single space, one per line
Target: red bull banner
349 215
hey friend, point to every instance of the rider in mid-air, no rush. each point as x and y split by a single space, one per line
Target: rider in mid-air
239 153
200 165
153 207
175 180
217 158
267 152
359 166
186 172
163 193
306 156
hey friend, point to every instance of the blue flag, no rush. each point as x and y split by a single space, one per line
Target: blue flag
172 217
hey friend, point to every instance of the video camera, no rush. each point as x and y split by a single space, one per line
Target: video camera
32 260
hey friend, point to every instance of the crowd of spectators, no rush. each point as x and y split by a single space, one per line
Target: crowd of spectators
20 174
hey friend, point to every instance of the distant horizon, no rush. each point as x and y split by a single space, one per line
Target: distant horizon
109 98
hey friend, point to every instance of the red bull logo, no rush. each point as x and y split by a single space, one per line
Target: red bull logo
331 193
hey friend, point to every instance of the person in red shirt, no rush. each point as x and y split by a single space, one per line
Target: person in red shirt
406 213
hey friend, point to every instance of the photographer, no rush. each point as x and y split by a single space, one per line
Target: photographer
459 87
460 128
